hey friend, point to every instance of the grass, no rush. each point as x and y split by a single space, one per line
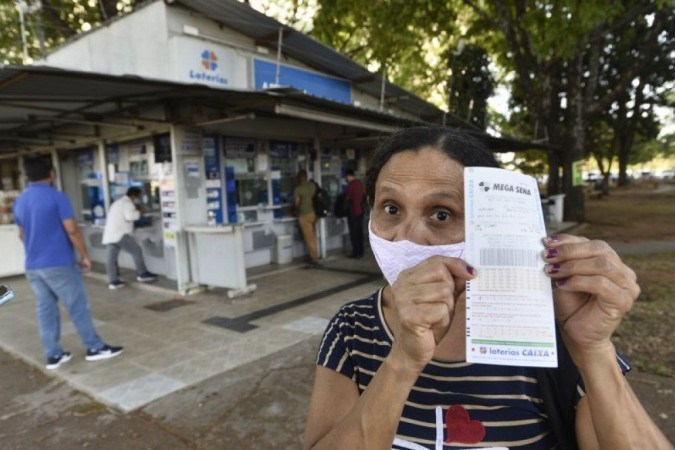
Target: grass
638 214
648 332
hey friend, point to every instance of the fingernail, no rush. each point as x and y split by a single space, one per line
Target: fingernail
553 238
553 269
561 282
551 253
471 270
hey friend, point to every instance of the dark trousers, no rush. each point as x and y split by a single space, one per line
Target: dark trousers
129 244
355 224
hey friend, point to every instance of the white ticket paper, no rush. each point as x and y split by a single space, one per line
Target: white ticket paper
509 305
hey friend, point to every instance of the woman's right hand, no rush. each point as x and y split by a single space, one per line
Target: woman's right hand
424 299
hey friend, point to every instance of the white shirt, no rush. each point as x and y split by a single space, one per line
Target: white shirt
120 220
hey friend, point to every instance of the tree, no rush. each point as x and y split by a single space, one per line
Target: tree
52 24
402 39
294 13
471 84
552 49
632 116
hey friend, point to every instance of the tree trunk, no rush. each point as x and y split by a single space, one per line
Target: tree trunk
553 185
574 195
625 144
574 207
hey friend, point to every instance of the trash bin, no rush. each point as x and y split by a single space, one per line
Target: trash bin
284 249
556 208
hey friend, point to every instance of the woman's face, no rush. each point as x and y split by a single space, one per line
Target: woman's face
419 197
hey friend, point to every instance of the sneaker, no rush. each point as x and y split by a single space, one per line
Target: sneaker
116 284
105 352
55 361
146 277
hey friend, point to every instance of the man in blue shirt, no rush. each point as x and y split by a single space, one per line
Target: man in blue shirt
50 235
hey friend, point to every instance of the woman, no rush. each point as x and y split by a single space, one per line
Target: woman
391 368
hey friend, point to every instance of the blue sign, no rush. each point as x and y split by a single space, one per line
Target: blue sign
311 82
214 188
113 154
282 149
85 158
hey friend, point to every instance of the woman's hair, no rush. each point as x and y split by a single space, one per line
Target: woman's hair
37 168
454 143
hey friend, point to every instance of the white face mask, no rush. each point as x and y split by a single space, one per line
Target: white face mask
396 256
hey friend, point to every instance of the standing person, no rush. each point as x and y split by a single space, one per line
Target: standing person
304 209
355 219
117 235
50 235
391 368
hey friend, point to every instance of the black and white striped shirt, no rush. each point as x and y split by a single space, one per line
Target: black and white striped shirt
452 405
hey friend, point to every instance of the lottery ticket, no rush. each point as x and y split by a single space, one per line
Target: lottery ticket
509 305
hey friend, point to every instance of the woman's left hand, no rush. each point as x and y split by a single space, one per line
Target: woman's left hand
593 290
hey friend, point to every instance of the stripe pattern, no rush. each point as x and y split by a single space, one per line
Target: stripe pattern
505 399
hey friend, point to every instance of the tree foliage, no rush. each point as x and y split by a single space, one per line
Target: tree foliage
555 53
470 84
50 25
404 38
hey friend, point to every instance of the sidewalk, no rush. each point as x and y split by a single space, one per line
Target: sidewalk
172 342
197 372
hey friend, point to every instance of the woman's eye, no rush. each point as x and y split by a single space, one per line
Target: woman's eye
390 209
442 215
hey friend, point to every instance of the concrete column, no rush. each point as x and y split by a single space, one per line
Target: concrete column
57 169
22 172
318 177
103 160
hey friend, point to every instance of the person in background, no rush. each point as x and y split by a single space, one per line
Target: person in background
50 236
391 368
117 235
355 219
304 210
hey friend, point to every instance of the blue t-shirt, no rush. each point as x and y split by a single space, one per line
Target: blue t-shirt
40 211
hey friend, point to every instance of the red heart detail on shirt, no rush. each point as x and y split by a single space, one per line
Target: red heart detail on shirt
461 428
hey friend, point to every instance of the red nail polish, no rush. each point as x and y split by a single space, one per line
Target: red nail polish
554 238
551 253
555 268
471 270
561 282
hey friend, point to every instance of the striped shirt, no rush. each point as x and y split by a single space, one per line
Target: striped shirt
452 405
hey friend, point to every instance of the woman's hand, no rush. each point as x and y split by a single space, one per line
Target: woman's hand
593 290
424 299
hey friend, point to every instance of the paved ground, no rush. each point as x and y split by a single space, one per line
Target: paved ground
256 398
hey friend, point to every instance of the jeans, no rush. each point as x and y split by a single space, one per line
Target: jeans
64 283
129 244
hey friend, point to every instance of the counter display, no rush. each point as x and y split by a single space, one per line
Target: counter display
148 237
12 261
7 199
217 258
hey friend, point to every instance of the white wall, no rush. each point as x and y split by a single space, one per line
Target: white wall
152 43
133 45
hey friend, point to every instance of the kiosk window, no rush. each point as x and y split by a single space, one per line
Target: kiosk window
289 170
251 185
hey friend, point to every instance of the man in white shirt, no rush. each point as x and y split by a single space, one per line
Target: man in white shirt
117 236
